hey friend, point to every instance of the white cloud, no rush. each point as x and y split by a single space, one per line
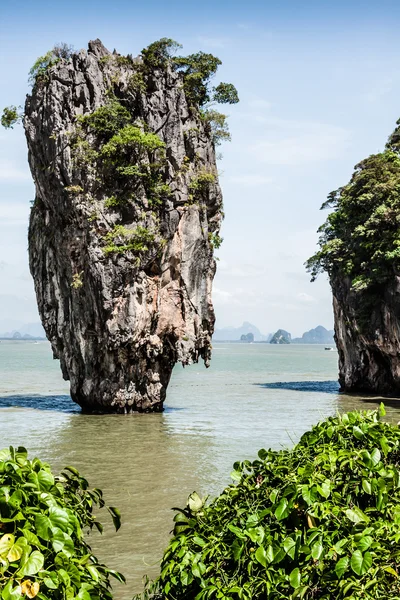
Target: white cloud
10 171
250 179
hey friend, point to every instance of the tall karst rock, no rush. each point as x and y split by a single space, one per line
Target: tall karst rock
123 227
360 251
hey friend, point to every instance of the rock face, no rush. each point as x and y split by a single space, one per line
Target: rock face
121 230
368 341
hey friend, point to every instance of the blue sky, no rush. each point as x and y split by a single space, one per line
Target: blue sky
319 84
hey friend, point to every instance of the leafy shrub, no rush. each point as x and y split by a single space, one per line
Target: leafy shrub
10 117
217 125
215 240
77 281
43 551
43 63
200 184
157 54
108 119
131 137
319 522
225 93
121 239
40 66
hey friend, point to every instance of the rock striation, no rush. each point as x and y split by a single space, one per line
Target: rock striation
121 231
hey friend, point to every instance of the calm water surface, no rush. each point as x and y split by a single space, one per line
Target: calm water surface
253 396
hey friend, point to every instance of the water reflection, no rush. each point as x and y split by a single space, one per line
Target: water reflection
142 469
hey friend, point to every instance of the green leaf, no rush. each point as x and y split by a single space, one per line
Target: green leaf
43 527
11 593
359 434
366 486
295 578
62 542
256 534
273 496
365 543
261 556
317 550
238 532
282 510
17 549
375 457
58 518
325 488
360 563
289 546
33 564
381 411
6 543
356 515
116 515
341 567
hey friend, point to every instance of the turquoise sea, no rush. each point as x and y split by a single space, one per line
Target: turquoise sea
253 396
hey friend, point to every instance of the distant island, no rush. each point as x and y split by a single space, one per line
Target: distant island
249 333
281 337
319 335
16 335
235 334
18 330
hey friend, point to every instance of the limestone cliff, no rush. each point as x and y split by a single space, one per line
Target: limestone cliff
359 248
367 335
121 232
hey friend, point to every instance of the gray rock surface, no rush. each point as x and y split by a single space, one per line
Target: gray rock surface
368 341
119 322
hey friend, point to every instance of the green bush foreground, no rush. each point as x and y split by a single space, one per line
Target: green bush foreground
43 551
320 521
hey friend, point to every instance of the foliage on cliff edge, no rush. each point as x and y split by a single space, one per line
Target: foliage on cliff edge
361 237
43 551
320 521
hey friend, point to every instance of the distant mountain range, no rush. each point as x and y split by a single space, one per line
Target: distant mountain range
27 331
319 335
233 334
248 333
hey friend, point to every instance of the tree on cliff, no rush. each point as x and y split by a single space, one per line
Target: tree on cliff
360 239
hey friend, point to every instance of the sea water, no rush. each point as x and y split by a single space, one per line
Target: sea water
253 396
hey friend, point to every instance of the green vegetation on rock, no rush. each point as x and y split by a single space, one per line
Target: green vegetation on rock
320 521
43 548
11 116
121 239
361 237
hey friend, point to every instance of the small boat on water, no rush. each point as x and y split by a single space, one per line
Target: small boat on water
330 349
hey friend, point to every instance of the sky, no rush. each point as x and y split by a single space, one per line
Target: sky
319 87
